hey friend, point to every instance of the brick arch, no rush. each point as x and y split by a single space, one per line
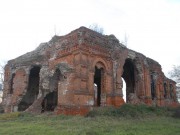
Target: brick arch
32 89
129 77
133 74
100 70
100 60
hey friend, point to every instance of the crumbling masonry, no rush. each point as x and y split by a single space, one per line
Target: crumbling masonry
71 74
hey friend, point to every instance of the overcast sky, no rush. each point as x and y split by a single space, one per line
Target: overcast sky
152 26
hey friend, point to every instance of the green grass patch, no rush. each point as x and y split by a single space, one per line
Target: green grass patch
176 113
132 111
9 116
103 121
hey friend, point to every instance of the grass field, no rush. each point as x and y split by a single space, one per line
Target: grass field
99 122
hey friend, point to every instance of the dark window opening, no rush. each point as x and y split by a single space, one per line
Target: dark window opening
11 84
171 90
32 91
129 77
49 103
153 91
98 83
165 90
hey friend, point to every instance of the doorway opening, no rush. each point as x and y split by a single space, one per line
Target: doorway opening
129 77
153 87
98 84
32 91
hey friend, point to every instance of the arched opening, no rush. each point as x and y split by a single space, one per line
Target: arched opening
153 87
11 84
98 80
50 101
165 90
129 77
32 91
171 90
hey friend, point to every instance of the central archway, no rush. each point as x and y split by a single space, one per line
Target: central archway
99 84
129 77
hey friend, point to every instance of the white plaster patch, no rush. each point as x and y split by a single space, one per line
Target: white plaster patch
45 84
64 92
131 54
15 109
90 102
53 58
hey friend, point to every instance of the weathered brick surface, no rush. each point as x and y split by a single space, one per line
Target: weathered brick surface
69 67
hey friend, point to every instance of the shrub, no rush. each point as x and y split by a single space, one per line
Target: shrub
129 110
177 113
9 116
1 109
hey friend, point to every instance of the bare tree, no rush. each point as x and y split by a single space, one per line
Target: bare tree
97 28
175 74
1 73
126 37
125 40
2 70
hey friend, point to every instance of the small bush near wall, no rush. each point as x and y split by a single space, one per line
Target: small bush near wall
134 111
177 113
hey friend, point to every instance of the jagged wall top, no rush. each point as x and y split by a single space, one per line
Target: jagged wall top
79 36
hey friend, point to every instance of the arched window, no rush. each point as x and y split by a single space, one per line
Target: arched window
153 87
98 78
32 91
11 84
99 84
171 90
129 77
165 90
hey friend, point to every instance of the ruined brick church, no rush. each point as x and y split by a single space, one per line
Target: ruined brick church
84 69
